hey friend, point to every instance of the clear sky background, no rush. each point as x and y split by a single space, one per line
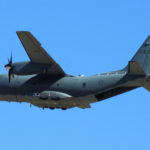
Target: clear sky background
84 37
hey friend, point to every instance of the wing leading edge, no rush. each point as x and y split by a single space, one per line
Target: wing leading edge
37 54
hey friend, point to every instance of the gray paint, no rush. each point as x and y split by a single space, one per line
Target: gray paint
47 86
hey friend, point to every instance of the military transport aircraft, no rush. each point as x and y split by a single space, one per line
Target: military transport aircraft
43 83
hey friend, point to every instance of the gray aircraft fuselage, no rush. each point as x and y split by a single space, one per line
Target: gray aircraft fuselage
43 83
72 85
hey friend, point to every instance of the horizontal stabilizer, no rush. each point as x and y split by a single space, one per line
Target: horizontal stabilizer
135 69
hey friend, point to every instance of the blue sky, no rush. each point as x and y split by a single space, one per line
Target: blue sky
84 37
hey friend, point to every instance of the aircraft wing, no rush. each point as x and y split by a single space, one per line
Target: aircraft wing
37 54
70 102
81 102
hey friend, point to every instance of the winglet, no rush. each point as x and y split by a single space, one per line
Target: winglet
135 69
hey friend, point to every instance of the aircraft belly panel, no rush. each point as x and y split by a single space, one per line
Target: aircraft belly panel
8 98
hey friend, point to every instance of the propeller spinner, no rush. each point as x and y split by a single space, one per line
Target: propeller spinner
9 67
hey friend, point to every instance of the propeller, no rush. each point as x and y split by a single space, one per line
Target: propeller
9 67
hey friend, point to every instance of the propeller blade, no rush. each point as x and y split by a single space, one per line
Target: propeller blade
9 75
9 67
11 59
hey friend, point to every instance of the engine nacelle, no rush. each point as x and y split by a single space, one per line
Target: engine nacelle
28 68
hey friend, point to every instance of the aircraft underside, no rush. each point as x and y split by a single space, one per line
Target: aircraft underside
81 102
65 103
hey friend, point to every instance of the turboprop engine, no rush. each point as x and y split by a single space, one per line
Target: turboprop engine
24 68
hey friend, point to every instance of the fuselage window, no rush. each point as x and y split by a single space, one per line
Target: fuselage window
84 85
